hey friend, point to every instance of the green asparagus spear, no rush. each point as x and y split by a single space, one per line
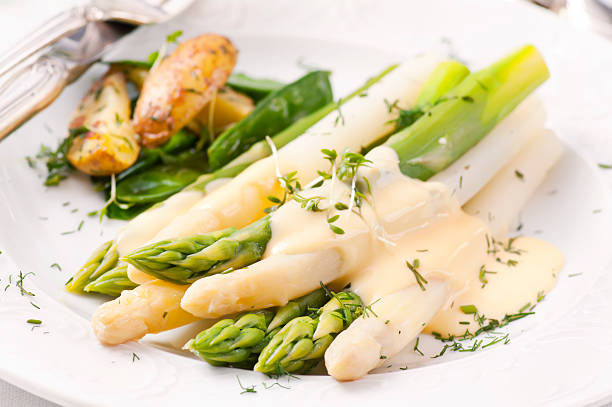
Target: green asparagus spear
103 259
467 113
276 112
239 342
111 283
182 261
338 313
444 77
302 342
229 341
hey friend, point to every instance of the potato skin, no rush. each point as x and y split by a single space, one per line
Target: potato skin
181 86
108 144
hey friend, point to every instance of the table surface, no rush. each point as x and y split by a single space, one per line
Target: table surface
17 18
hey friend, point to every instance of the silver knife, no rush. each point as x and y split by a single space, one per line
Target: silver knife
31 87
77 38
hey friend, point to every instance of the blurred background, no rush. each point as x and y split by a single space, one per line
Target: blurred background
17 19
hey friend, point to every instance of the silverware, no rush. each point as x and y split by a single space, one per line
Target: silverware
34 72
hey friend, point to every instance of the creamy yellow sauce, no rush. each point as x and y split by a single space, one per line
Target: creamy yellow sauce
408 219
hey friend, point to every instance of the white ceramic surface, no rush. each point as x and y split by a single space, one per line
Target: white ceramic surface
560 356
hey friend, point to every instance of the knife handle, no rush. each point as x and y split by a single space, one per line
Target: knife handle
30 89
52 30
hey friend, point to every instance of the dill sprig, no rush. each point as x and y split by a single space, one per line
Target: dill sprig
414 267
482 275
249 389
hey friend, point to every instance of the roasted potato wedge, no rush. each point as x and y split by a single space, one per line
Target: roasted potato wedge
179 88
133 73
228 108
104 140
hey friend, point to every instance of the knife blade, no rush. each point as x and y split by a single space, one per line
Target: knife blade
35 85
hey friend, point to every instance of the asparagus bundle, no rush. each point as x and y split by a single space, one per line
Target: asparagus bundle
103 259
239 342
444 77
371 121
276 341
277 298
509 81
111 283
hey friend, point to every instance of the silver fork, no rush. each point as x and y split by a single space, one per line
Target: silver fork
35 71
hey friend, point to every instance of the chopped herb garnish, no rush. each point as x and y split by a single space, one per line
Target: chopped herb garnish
391 106
21 278
56 266
336 229
575 274
605 166
174 36
34 321
250 389
468 309
276 383
416 347
519 175
340 116
135 357
541 296
414 266
482 275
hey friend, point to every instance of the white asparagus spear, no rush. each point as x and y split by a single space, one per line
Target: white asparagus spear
398 318
153 308
279 280
474 169
501 200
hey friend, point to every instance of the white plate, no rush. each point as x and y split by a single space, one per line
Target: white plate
560 356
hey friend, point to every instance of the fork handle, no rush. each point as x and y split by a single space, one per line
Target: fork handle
30 89
52 30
